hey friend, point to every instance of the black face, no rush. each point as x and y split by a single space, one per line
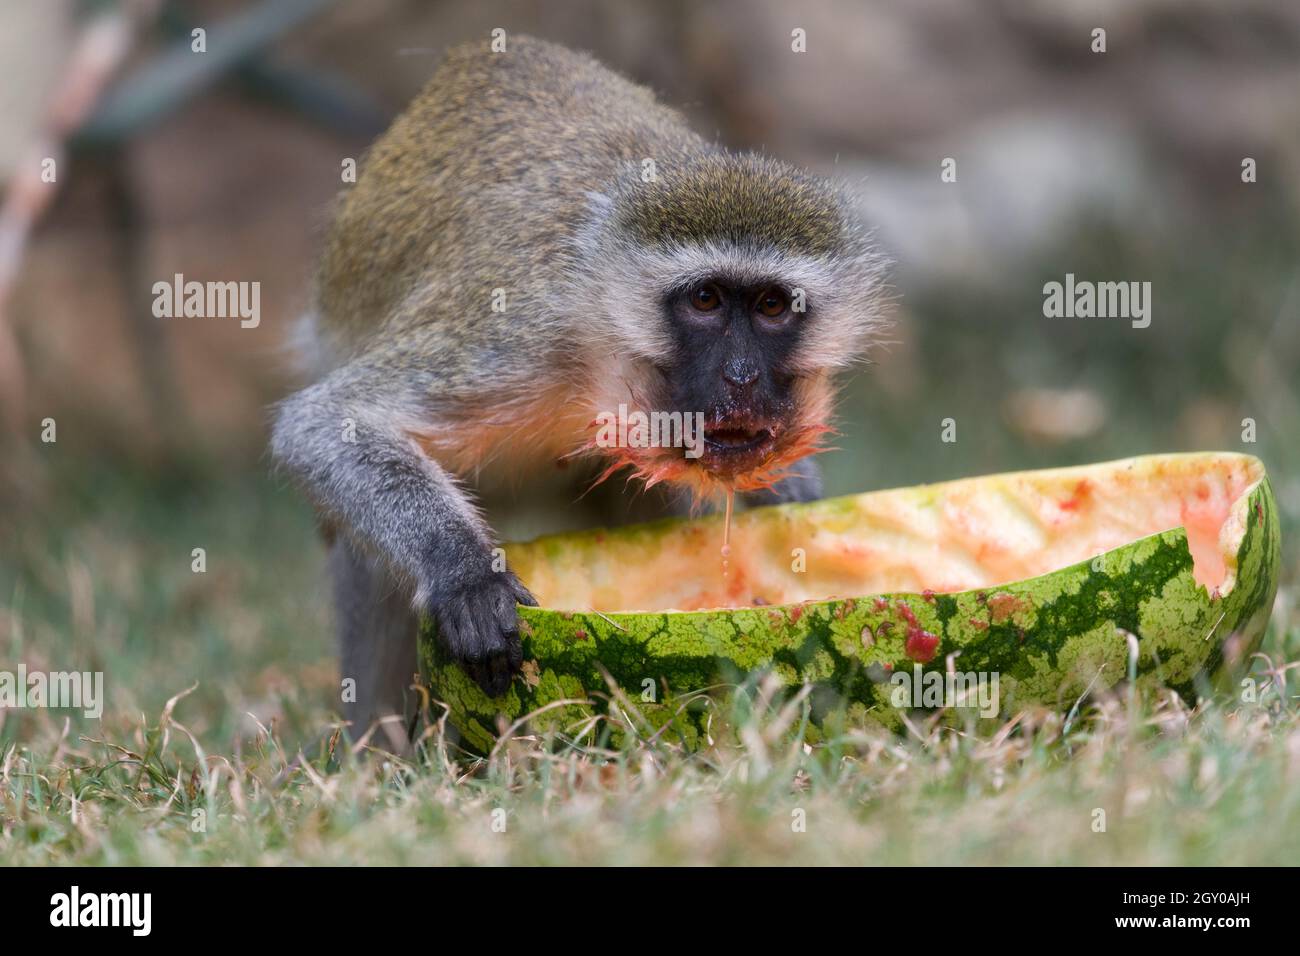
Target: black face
733 348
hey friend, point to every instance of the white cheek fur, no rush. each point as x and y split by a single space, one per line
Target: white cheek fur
842 296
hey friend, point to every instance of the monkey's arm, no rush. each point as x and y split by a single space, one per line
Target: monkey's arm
344 440
804 483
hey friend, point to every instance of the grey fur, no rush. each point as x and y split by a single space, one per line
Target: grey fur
520 172
376 633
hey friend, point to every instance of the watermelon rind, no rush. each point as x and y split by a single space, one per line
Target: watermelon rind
1050 639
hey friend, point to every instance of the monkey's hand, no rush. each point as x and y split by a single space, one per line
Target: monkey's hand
375 481
478 625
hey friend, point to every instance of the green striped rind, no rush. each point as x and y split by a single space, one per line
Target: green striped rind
1049 638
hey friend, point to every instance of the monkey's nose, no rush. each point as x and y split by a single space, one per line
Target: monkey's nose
740 372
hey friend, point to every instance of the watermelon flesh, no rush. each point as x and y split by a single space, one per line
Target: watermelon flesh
955 536
1036 575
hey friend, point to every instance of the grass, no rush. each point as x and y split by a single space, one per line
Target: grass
1217 785
214 680
178 773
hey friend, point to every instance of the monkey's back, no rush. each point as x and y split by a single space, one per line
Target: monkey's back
481 185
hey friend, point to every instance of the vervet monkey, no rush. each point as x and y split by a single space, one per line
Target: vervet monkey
534 242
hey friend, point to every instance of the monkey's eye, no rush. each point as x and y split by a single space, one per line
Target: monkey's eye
706 298
772 302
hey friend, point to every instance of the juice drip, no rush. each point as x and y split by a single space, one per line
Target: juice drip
726 530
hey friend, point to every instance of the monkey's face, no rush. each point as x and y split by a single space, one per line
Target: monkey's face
732 287
731 364
729 373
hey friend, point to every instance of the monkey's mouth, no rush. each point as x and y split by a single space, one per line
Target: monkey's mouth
737 449
733 449
734 440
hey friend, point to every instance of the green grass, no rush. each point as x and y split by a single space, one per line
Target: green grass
102 579
95 574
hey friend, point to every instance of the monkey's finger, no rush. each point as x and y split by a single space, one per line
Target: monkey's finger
454 629
474 653
505 655
470 646
494 646
499 674
521 594
514 651
501 608
478 673
508 618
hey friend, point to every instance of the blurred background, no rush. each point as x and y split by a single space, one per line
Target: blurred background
1117 166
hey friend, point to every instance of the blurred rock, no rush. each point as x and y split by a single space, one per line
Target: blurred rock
1019 180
